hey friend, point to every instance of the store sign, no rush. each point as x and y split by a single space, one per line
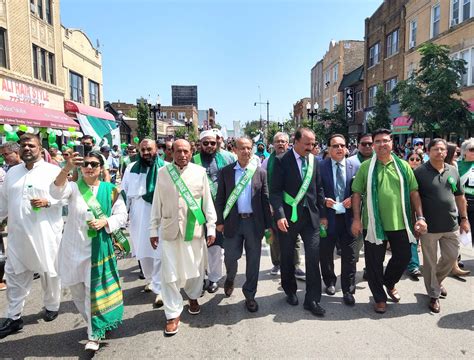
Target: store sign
24 93
349 103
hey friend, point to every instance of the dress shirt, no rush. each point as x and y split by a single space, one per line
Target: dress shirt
334 177
244 202
298 160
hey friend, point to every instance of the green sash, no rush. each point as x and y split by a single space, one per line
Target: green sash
234 195
105 291
270 166
293 202
194 210
220 161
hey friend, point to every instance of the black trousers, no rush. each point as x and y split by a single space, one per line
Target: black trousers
375 256
348 256
310 238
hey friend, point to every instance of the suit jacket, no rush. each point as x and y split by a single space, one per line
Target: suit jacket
328 184
287 177
260 202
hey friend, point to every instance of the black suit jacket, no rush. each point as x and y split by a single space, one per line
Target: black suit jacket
260 202
287 177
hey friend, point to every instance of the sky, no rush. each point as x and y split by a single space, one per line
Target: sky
237 52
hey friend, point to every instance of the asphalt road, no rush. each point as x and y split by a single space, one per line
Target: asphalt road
225 329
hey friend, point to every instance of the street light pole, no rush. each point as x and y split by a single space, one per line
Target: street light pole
268 113
155 109
313 113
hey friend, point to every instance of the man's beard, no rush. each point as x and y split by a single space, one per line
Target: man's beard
150 160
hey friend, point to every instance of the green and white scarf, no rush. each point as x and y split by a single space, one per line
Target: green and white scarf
142 167
465 168
220 162
375 233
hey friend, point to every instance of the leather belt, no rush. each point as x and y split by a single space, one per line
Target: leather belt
245 215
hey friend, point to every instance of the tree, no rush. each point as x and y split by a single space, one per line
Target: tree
334 122
381 113
143 122
431 95
252 128
179 132
132 113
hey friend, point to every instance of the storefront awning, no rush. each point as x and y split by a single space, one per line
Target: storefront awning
72 106
15 113
402 125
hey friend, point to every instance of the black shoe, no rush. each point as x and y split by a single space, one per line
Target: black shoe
251 305
212 288
36 276
348 299
292 299
50 315
315 308
364 275
141 276
10 326
331 290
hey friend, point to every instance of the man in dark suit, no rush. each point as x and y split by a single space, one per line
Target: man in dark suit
297 199
337 173
243 214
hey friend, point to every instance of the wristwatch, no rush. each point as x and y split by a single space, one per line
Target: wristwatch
421 218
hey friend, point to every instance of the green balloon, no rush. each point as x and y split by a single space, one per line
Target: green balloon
12 136
70 144
52 138
123 146
136 140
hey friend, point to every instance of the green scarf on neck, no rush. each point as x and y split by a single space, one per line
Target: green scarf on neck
141 167
465 168
270 165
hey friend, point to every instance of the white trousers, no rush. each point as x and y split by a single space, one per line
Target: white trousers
151 268
81 295
215 260
19 286
172 299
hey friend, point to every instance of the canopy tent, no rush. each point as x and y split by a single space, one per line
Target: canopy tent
402 125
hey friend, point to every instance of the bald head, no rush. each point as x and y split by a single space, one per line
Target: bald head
181 152
148 150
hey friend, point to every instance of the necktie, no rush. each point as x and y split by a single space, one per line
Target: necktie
340 183
304 167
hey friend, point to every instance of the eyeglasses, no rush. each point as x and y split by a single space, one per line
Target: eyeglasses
470 150
338 146
382 142
93 164
207 143
366 144
414 159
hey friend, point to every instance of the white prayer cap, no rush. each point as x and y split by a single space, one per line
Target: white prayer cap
207 133
217 132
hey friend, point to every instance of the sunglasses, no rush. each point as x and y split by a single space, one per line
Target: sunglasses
207 143
338 146
470 150
366 144
93 164
414 159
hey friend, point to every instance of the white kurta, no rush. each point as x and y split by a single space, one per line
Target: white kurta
134 186
75 249
33 236
182 260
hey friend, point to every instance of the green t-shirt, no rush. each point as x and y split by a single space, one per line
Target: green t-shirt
389 195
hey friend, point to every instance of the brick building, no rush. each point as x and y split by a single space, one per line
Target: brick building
299 110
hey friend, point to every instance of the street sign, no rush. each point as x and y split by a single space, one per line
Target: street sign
349 104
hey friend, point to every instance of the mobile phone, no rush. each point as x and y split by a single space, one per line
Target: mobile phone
79 149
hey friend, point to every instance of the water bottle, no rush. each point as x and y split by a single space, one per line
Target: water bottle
268 237
90 216
30 191
322 231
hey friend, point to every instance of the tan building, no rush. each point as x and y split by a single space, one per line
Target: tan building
449 22
299 110
177 115
342 57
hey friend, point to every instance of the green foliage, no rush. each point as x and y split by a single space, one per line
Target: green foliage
332 123
180 132
381 112
252 128
431 95
132 113
143 122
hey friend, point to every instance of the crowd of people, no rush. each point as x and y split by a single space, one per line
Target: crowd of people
192 208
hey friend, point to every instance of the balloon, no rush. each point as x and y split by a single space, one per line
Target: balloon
1 129
66 133
52 138
36 130
136 140
71 129
30 130
71 144
54 145
23 128
123 146
12 136
58 132
64 148
49 130
79 134
7 128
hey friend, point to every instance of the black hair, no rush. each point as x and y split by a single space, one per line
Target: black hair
451 147
363 136
86 137
96 155
335 136
434 141
299 132
28 136
381 131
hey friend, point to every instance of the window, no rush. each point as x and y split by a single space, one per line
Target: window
358 101
472 66
435 20
374 55
35 62
372 93
181 115
335 71
334 102
327 78
39 7
172 115
75 86
164 115
454 12
465 77
392 43
51 68
467 55
466 10
410 70
32 6
412 40
49 17
390 85
3 48
327 104
94 94
43 65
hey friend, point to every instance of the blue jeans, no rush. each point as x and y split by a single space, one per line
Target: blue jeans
414 261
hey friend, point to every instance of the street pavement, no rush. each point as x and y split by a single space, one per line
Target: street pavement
225 329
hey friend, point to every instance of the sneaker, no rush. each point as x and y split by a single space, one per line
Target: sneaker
300 274
92 345
3 286
275 270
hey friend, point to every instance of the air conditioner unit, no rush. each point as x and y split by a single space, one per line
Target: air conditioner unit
454 22
412 44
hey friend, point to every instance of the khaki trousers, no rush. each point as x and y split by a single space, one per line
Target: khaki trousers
434 270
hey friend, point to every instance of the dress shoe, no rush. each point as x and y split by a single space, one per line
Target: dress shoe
292 299
434 305
10 326
394 295
348 299
141 276
275 270
194 307
50 315
172 326
315 308
158 302
364 275
444 292
330 290
228 288
300 274
212 288
251 305
92 345
380 307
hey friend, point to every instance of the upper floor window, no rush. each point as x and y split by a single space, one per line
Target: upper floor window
39 8
334 102
390 84
172 115
43 65
392 43
435 20
164 115
94 94
76 87
43 9
466 9
374 55
412 38
327 104
461 10
181 115
358 101
327 78
335 72
3 48
372 93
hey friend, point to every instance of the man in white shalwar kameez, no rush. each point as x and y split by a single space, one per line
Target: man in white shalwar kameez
34 231
181 227
136 182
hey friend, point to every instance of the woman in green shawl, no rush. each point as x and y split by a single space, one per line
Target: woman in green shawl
87 263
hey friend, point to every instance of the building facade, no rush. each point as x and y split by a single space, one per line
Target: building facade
299 110
184 95
352 93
